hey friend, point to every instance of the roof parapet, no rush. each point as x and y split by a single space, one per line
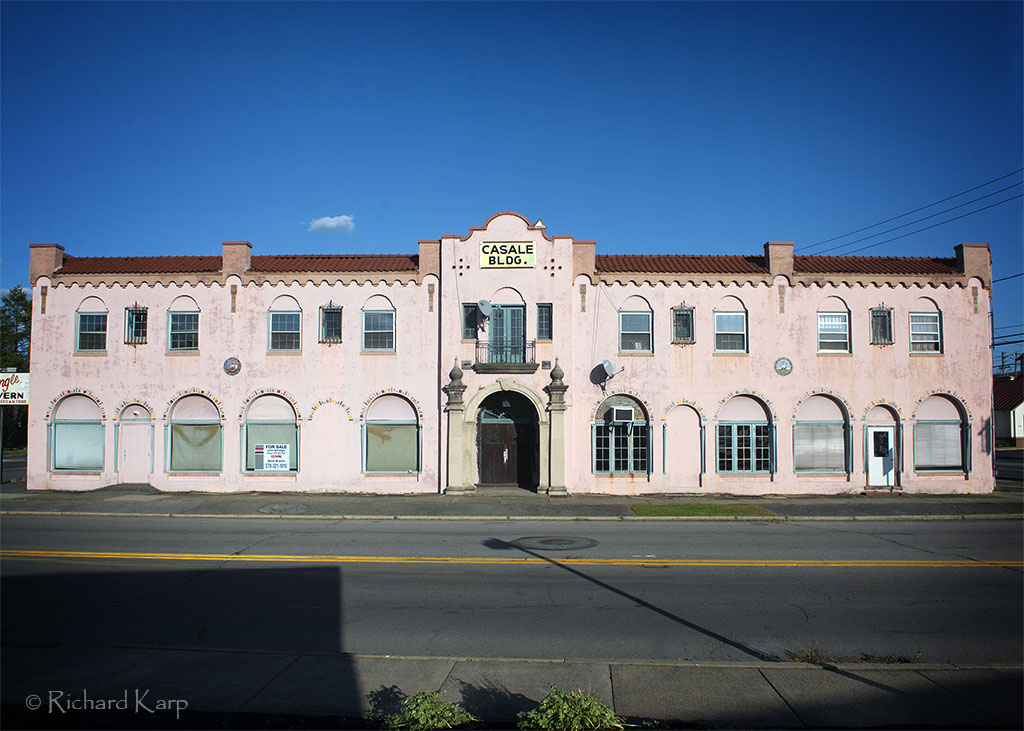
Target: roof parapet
974 260
778 258
44 260
237 258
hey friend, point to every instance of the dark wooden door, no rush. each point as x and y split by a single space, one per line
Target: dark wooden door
499 455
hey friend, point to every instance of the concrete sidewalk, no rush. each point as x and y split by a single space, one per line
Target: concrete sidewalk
246 689
501 504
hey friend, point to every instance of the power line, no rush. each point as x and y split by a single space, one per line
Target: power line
1007 327
880 223
916 220
1014 276
948 220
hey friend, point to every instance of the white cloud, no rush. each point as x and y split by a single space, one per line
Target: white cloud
339 224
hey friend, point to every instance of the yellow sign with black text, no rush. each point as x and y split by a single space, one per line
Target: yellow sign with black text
507 255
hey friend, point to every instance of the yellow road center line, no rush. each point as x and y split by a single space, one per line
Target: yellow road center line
506 560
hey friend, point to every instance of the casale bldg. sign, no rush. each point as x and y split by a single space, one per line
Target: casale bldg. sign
511 255
13 389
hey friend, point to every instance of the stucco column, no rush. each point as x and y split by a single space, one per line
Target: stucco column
457 482
556 453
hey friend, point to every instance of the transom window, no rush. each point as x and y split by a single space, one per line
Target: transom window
635 332
925 332
183 333
135 325
731 331
92 332
682 324
881 326
621 437
834 332
330 324
379 330
286 331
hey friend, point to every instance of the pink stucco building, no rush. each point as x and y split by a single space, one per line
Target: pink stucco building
509 356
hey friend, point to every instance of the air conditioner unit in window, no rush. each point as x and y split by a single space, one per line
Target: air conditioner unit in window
622 413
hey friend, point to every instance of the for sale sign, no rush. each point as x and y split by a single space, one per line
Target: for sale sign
272 457
13 389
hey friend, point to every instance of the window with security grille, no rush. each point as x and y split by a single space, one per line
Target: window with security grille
183 332
135 325
286 331
92 332
330 324
379 330
682 325
833 332
881 326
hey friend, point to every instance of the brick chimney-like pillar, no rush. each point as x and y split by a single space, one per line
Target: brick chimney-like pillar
44 260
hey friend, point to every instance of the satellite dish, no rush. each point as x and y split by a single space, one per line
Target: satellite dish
608 368
485 308
603 373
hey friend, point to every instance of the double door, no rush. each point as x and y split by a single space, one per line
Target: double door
507 342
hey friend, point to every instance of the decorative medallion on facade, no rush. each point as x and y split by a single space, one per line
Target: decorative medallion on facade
192 392
823 392
133 402
756 394
940 392
269 392
390 392
783 366
232 366
683 402
606 396
75 392
318 404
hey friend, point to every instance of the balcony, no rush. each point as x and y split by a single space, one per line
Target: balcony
505 357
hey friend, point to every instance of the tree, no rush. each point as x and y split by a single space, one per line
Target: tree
15 333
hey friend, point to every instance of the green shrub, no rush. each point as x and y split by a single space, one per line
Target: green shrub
427 711
572 710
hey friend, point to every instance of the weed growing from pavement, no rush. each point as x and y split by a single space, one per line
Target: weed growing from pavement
427 711
572 710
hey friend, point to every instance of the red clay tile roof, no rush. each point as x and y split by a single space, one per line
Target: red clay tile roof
139 264
874 265
680 263
732 264
198 264
336 263
1007 395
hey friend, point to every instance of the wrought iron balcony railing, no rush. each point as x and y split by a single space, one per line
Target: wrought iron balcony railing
510 357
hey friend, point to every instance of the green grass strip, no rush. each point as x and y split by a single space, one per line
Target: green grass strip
698 509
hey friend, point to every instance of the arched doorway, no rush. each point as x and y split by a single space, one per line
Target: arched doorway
508 451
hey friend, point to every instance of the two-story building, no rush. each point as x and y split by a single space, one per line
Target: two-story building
508 356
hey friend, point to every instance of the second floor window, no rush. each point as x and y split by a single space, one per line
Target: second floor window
330 324
544 328
881 326
833 332
925 332
286 331
635 332
731 332
379 330
135 325
183 332
682 324
469 321
92 332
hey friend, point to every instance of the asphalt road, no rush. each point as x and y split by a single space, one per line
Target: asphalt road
673 592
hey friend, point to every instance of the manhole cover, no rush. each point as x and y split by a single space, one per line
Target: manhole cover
282 508
553 543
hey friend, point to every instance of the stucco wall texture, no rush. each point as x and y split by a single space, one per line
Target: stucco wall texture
682 391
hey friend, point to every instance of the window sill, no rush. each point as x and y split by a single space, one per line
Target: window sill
191 475
545 340
745 475
284 352
621 475
683 342
91 354
820 474
179 353
391 475
940 473
727 354
835 354
76 473
634 354
376 352
290 476
926 355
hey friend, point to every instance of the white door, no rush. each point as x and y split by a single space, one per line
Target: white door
134 452
881 456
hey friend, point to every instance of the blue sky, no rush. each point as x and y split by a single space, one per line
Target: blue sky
165 128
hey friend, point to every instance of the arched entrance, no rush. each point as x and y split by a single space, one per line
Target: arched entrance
508 451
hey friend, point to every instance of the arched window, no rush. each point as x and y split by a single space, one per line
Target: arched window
78 435
196 439
391 436
925 327
621 436
284 326
91 326
636 334
271 436
730 326
833 326
378 325
821 437
745 435
942 436
183 325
